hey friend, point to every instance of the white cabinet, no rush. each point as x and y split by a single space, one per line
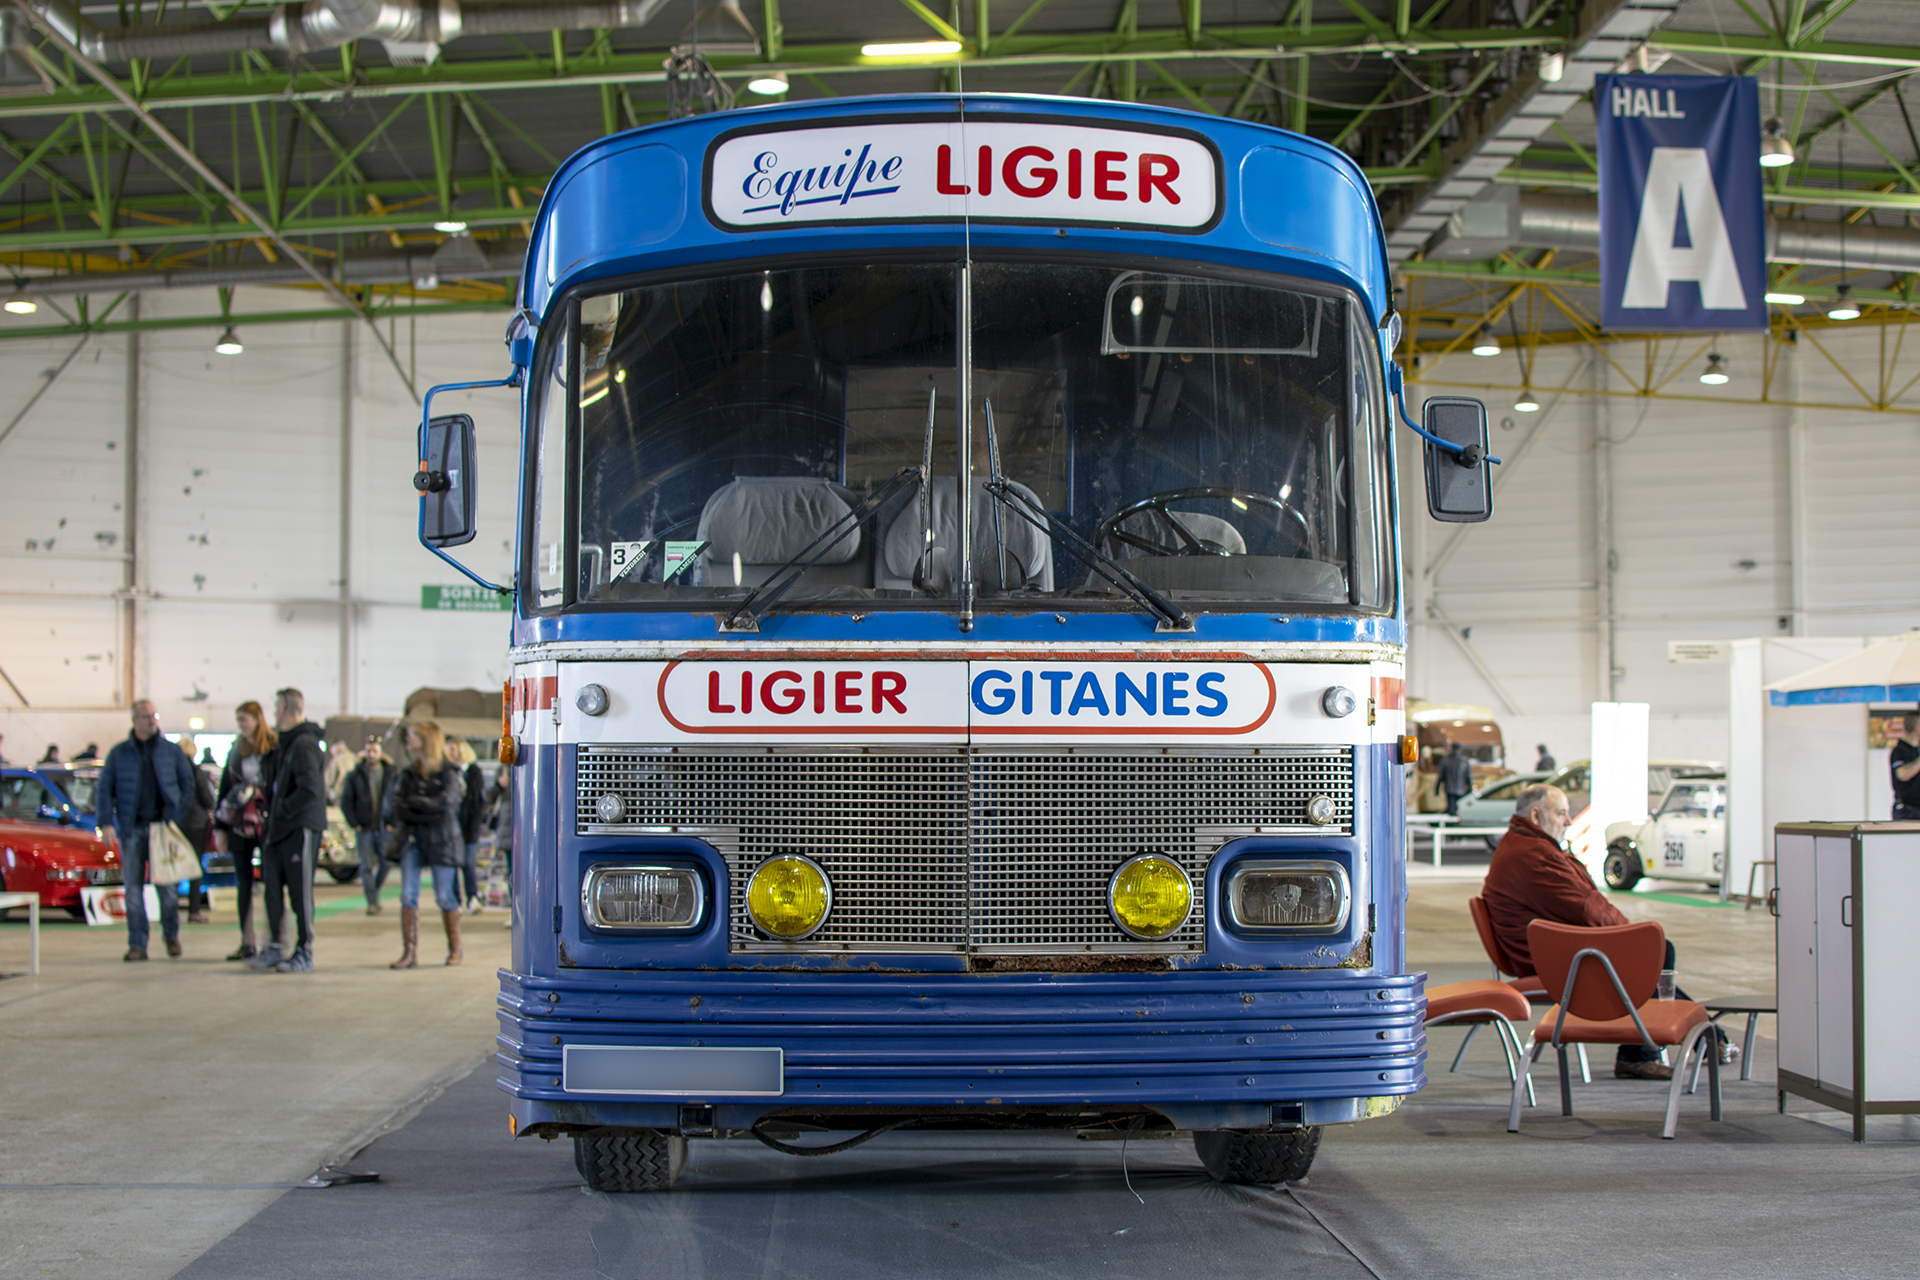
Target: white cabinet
1845 953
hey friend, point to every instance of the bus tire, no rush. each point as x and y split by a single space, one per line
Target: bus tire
1622 866
630 1159
1257 1158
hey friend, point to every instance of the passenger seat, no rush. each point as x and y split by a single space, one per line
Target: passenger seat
767 520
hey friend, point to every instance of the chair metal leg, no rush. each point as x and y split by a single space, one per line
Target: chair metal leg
1586 1073
1513 1107
1746 1048
1693 1085
1463 1046
1510 1045
1712 1051
1696 1038
1566 1086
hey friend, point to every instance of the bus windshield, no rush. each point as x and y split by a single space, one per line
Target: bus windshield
1218 434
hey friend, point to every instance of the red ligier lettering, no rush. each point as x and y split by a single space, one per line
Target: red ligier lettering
1158 171
819 692
986 171
783 702
1044 180
1073 174
846 692
887 688
943 175
713 695
1109 179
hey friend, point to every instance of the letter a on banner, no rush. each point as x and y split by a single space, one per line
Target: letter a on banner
1683 234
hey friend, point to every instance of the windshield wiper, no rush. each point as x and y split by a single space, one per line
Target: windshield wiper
775 585
1172 617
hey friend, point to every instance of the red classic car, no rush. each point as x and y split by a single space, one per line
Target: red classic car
55 861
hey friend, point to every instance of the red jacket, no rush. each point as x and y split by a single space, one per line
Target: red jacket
1532 878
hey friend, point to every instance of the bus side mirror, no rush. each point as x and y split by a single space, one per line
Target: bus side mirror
1459 485
446 482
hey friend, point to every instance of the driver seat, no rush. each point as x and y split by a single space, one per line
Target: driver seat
1145 526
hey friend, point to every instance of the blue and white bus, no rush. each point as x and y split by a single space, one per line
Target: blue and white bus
957 663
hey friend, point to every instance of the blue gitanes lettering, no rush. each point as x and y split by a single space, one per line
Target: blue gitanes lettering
996 700
1174 694
1208 687
1124 688
836 182
1088 694
1055 679
757 185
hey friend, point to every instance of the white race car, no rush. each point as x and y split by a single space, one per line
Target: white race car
1685 839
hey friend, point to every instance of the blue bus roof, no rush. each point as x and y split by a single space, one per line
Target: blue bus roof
654 198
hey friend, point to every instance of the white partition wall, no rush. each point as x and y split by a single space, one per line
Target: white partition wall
1619 756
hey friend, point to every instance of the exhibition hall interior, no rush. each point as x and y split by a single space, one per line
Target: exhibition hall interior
750 638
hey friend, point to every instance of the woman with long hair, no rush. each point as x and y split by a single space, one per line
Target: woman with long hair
473 811
240 818
422 812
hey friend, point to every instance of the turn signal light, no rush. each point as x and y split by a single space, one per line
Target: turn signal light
1409 749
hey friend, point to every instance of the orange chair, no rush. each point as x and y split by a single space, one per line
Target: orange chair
1480 1003
1527 984
1607 978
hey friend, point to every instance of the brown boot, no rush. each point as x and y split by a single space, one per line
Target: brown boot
409 939
452 920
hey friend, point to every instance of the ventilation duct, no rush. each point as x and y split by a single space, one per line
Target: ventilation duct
1505 218
459 258
412 31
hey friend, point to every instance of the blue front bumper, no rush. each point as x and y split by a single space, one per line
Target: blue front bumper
1207 1048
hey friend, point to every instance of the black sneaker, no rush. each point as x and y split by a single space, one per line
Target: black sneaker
135 953
246 951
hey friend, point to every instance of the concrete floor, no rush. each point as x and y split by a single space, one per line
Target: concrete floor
156 1115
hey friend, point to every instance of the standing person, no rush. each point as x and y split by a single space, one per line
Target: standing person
296 815
1545 764
91 753
1904 763
3 754
340 763
360 801
240 818
53 754
198 829
473 810
500 802
423 802
1456 777
144 780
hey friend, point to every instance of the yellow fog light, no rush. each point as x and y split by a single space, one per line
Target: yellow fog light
1150 896
789 896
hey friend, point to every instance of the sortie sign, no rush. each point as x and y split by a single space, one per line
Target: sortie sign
464 597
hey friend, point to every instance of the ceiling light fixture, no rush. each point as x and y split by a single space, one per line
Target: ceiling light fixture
768 82
1526 403
228 343
1485 343
18 303
1843 306
911 49
1715 374
1552 67
1776 150
1787 299
452 226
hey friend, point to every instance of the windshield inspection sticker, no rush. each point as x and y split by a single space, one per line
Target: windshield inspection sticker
1000 170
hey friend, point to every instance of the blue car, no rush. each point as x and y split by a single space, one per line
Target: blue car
61 793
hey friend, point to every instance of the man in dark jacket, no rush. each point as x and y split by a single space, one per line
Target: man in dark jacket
145 780
360 801
296 815
1533 878
1456 777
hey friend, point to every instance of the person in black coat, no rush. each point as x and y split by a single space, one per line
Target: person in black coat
240 819
473 815
296 815
422 812
360 801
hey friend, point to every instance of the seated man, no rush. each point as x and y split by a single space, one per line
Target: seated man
1534 878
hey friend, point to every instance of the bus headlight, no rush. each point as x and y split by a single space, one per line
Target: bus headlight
1273 895
789 896
642 898
1150 896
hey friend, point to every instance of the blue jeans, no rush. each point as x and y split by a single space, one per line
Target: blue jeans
373 867
133 872
446 880
471 869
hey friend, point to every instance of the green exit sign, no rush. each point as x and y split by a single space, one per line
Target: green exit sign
465 598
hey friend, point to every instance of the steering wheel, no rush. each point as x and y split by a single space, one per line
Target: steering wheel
1185 541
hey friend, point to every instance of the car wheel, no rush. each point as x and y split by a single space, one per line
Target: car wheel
630 1159
1257 1158
344 875
1622 867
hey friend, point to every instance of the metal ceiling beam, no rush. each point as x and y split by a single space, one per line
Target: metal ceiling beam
420 219
1768 48
212 179
243 319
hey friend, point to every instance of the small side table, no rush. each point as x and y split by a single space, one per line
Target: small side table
31 901
1753 1007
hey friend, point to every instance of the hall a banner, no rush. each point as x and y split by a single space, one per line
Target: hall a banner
1683 233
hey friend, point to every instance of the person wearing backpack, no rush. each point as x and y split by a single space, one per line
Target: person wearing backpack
240 819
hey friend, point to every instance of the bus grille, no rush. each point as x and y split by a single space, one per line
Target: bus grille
988 851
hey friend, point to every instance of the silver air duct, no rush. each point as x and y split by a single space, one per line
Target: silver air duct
411 30
1505 217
